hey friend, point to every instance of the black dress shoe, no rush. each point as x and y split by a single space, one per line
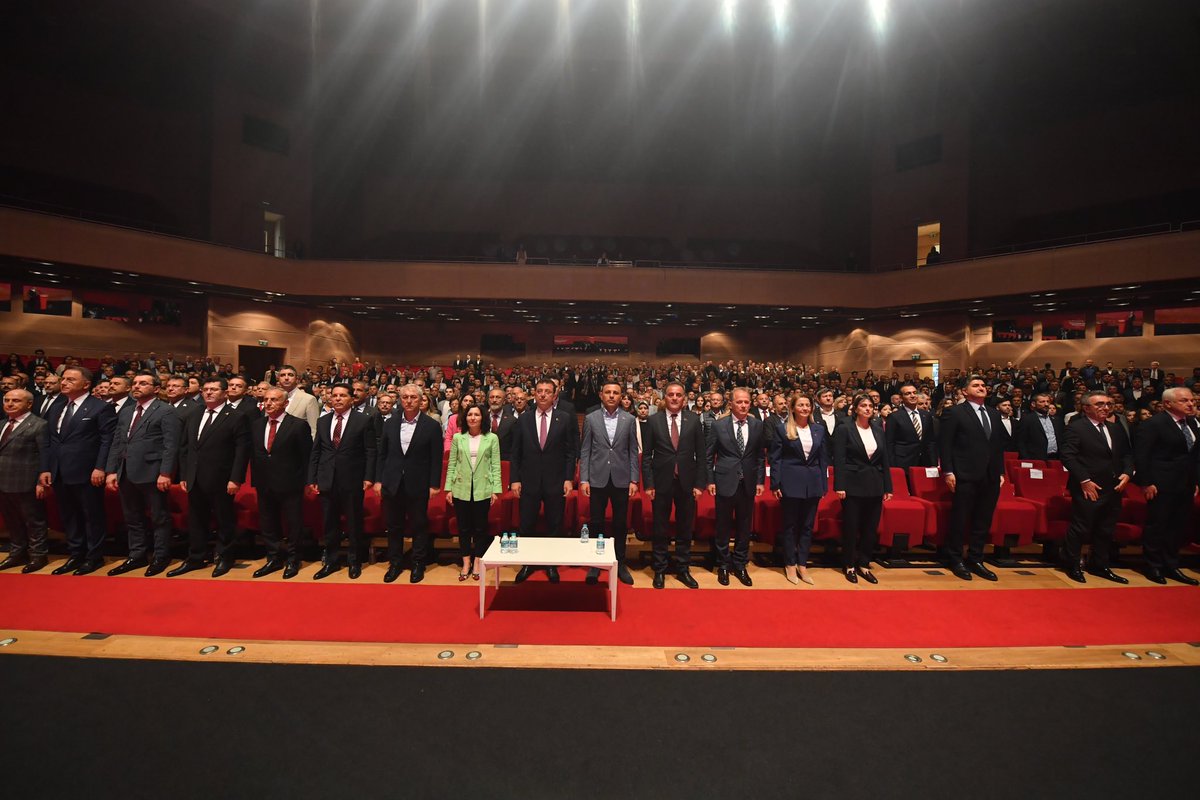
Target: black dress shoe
959 570
33 566
291 570
1075 574
223 565
624 575
1176 575
687 580
593 576
1108 575
355 571
325 571
186 567
1154 576
70 565
128 565
523 574
11 562
272 565
869 577
660 580
89 566
722 576
552 574
851 576
743 576
978 568
393 572
156 567
418 573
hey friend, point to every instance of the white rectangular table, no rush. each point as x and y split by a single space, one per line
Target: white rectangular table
545 552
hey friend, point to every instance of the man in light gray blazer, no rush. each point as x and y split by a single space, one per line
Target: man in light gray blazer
609 470
140 465
21 441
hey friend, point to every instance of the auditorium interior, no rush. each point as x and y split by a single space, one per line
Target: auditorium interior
636 188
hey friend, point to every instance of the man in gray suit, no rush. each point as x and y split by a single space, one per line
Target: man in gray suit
140 465
21 504
609 469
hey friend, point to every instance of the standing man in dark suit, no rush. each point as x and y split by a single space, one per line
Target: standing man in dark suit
826 414
385 404
239 400
501 421
609 470
49 393
545 446
21 506
280 447
78 437
909 433
1040 433
973 468
340 469
675 473
1099 464
140 465
409 473
1166 452
735 451
213 458
1008 426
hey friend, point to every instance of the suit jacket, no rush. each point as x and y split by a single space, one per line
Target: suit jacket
905 448
419 469
349 464
1142 401
600 460
1161 454
726 463
795 474
1087 456
220 456
966 450
285 468
152 450
248 406
1009 440
306 407
831 423
377 422
21 455
83 444
660 458
855 473
550 467
1031 437
38 400
504 432
480 482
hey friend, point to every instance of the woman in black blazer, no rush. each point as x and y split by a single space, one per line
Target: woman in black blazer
798 455
862 479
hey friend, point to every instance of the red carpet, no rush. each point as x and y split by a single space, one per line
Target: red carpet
309 611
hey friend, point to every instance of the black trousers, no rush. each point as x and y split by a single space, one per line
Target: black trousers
860 529
339 501
684 501
600 498
1168 520
971 512
136 499
1095 521
737 507
799 515
25 517
405 512
535 498
81 507
278 511
473 538
203 504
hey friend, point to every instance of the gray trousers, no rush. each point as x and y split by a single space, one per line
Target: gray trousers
25 517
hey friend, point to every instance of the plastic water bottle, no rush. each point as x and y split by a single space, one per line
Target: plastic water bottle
584 534
515 542
600 545
505 543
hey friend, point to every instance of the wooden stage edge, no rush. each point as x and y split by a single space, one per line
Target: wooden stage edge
75 645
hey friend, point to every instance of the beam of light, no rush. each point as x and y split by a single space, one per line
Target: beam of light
633 43
729 15
879 14
780 18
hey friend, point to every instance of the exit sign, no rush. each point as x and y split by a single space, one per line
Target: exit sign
262 342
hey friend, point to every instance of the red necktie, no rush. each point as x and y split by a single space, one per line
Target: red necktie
271 434
137 417
542 433
12 424
495 421
337 432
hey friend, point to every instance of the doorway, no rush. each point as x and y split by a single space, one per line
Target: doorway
920 368
929 243
255 360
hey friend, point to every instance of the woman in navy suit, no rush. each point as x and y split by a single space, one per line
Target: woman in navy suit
799 461
862 480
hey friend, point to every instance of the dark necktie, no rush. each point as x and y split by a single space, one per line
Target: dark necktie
495 421
675 431
8 429
66 418
337 432
1188 436
271 434
741 438
916 420
207 424
987 423
137 417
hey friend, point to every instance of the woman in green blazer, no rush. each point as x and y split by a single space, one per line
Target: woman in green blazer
472 485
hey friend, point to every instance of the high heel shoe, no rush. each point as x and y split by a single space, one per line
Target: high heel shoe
868 576
463 575
851 576
790 574
803 575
